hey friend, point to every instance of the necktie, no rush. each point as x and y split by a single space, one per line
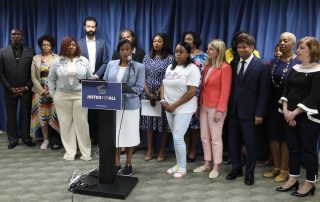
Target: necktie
241 69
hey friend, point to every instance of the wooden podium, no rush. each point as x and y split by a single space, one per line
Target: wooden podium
105 183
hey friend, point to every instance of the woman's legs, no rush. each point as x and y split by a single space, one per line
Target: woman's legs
163 145
148 155
179 124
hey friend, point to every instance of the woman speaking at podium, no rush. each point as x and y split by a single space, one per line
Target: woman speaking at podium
132 74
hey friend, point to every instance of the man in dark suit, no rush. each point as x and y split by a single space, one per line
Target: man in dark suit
15 76
249 96
95 50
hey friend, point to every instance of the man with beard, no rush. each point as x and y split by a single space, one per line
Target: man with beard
15 76
95 50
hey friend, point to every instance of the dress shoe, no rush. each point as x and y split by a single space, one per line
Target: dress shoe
234 174
201 169
295 186
272 173
147 158
280 178
249 180
29 144
160 159
213 174
310 192
12 145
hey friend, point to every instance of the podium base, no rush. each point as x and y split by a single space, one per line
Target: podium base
120 189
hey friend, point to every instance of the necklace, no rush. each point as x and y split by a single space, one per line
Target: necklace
284 71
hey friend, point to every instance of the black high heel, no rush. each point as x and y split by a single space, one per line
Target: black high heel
310 192
295 186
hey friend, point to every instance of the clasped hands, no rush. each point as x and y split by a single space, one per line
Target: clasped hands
153 98
17 91
289 116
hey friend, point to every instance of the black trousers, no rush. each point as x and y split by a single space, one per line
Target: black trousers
302 141
11 104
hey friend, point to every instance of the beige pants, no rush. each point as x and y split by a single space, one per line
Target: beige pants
73 125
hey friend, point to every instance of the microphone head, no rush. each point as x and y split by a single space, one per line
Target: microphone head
129 58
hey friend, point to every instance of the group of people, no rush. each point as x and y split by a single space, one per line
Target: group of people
198 91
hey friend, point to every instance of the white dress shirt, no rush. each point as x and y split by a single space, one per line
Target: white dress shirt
248 60
91 46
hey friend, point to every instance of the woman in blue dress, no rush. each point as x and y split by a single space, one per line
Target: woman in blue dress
280 68
155 63
199 58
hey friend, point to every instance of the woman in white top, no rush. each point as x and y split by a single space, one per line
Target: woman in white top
178 99
64 87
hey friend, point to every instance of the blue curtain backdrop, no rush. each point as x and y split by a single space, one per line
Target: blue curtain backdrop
265 19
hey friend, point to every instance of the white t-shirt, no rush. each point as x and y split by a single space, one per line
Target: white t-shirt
176 84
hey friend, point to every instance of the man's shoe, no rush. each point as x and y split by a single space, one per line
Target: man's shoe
234 174
12 145
29 144
249 180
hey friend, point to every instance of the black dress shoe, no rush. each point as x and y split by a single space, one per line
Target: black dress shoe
295 186
12 145
249 180
234 174
310 192
29 144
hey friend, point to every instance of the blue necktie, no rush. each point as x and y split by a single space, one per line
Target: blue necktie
241 70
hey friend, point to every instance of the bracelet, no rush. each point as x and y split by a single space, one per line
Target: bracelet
161 101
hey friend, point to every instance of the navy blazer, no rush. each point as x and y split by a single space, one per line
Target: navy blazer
249 96
130 101
13 74
101 55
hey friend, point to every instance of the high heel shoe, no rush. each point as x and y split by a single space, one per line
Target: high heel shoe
295 186
310 192
160 159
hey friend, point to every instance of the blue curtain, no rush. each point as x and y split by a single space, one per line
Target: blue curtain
265 19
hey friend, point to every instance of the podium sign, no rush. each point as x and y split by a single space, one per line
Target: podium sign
101 95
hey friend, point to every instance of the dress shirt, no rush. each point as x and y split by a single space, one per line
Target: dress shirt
248 60
91 45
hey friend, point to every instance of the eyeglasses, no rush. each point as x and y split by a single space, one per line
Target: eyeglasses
15 34
46 45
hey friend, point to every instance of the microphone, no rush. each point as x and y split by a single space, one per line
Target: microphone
130 62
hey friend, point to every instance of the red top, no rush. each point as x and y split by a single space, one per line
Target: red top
215 92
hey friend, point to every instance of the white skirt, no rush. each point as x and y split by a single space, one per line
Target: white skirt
129 132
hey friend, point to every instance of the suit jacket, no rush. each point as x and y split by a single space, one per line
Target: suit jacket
136 80
215 91
137 56
13 73
35 73
249 96
101 55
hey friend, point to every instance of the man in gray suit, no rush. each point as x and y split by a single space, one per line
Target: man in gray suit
95 50
15 76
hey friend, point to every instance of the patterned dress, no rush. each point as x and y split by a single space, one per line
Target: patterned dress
199 61
43 110
155 70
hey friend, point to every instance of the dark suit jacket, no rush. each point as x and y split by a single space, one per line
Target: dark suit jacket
249 96
13 74
137 56
101 55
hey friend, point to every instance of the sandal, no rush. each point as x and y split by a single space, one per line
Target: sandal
272 173
180 173
280 178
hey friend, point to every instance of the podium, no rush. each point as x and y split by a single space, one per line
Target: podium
105 98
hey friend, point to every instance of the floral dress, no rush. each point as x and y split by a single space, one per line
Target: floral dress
155 69
199 61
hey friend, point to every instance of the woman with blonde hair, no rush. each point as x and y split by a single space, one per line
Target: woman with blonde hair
213 102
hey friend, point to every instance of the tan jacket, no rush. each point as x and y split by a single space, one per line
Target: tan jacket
35 73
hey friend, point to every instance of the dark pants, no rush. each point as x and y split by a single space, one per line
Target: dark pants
302 142
11 104
93 126
242 130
